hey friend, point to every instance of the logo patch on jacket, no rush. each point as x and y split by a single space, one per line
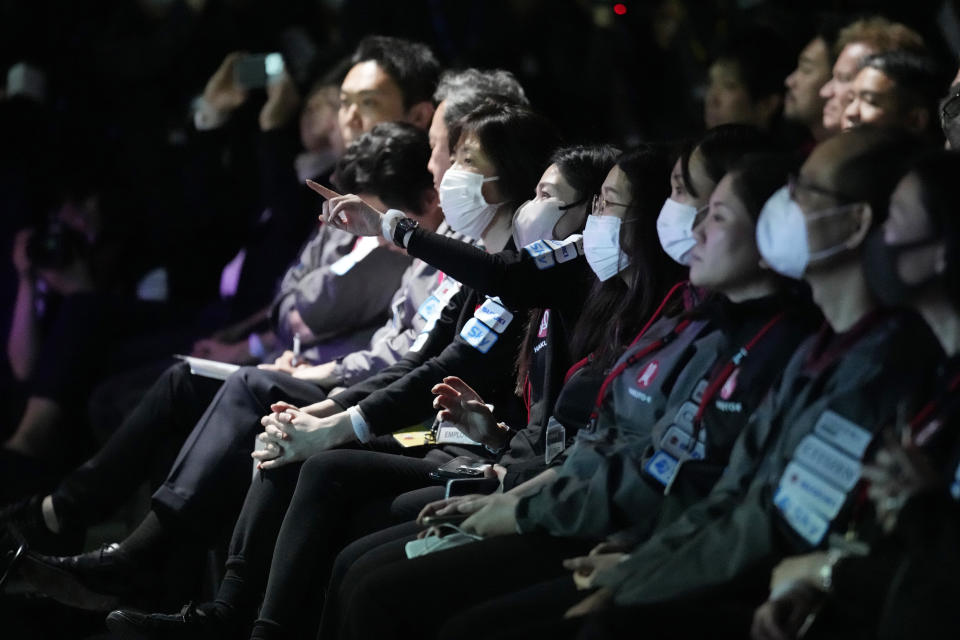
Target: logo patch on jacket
544 324
730 385
648 374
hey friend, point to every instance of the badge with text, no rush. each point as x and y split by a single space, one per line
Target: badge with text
494 315
839 431
807 488
685 415
541 253
699 391
828 462
556 441
478 335
680 445
662 467
811 526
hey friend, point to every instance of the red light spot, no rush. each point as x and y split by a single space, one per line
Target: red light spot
620 9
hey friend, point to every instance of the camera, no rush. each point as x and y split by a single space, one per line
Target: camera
55 246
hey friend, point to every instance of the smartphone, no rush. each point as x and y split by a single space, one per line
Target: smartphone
256 70
452 518
460 467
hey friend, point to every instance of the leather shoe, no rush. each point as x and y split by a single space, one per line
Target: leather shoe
203 621
22 523
92 581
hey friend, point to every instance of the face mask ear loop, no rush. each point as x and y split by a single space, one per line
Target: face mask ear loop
579 202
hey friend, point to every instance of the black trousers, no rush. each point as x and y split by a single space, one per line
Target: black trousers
217 420
371 551
403 598
297 517
209 478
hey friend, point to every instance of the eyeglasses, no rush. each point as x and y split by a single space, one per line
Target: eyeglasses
950 108
599 205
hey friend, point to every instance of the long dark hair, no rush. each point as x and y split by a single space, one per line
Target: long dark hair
616 310
584 168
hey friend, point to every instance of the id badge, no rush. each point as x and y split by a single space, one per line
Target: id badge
680 445
699 390
685 416
556 441
662 467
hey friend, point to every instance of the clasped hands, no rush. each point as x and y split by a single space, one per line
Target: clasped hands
292 435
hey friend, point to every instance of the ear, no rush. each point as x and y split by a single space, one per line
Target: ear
865 211
421 114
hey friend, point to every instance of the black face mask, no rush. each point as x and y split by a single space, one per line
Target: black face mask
880 268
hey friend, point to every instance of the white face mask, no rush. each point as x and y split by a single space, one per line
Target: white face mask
536 220
462 202
601 244
675 230
782 235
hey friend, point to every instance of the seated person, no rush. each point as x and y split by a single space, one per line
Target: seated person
898 581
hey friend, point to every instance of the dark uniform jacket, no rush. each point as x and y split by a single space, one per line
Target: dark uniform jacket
618 470
793 467
551 277
475 338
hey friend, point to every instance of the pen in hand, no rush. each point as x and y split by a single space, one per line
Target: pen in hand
295 360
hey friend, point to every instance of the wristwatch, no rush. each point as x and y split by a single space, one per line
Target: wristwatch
404 226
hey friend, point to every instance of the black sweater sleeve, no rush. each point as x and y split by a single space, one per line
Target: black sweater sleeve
408 400
442 334
515 276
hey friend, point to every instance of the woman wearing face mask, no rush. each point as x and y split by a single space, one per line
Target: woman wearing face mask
609 479
905 586
356 477
615 311
791 483
694 176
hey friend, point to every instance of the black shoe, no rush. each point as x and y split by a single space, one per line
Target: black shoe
22 523
93 581
9 563
203 621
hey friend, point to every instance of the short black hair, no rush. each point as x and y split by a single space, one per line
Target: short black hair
585 167
721 148
917 77
517 141
389 161
411 65
464 90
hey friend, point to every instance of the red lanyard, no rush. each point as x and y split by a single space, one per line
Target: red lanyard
816 363
651 347
584 361
721 378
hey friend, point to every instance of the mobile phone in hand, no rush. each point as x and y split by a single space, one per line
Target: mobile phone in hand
255 71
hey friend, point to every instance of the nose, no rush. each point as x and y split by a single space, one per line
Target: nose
791 80
826 91
851 114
